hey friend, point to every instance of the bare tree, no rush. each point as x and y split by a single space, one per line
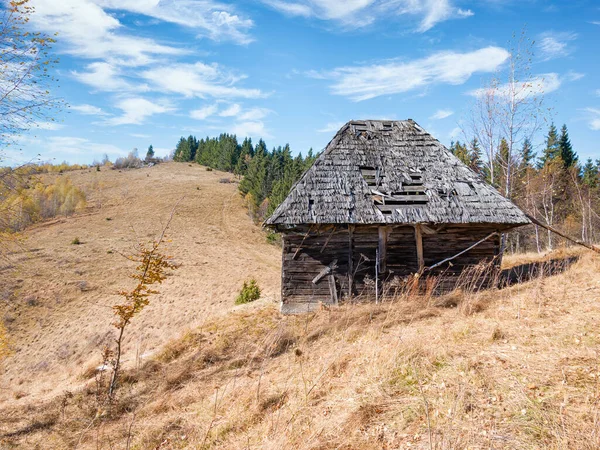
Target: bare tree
509 107
25 73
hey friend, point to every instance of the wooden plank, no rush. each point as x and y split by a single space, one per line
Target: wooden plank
333 290
382 245
327 241
419 240
327 270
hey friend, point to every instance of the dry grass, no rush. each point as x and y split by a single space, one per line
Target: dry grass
516 368
62 332
520 371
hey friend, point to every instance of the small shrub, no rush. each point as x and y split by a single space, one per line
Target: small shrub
76 241
225 180
109 218
208 169
131 161
249 293
273 238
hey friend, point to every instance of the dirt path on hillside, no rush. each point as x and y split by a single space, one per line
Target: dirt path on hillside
58 295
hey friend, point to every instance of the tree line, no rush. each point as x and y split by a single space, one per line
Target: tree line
553 186
266 176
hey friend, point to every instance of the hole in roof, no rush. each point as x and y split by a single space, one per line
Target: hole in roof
372 175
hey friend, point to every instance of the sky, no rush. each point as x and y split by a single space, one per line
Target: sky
141 72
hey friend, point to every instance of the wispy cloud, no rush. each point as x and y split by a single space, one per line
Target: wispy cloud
441 114
351 14
394 77
231 111
540 84
255 129
554 45
331 127
52 126
593 118
136 110
88 110
77 146
198 80
106 77
204 112
128 64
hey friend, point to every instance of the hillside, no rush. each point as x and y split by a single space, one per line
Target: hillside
511 368
57 295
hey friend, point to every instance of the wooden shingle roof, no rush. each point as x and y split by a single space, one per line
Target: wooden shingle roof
394 172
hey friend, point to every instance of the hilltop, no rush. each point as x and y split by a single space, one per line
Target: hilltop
511 368
58 295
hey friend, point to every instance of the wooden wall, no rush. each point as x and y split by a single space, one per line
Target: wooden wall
350 254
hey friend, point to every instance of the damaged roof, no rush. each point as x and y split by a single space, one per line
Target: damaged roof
392 172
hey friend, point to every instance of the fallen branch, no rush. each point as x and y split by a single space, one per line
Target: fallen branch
555 231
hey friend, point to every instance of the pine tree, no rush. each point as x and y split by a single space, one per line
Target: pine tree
182 151
590 173
150 153
476 156
527 155
567 154
461 152
552 150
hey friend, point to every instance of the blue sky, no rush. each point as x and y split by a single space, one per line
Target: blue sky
141 72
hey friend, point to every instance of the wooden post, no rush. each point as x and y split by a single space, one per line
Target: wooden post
383 234
350 259
332 289
419 239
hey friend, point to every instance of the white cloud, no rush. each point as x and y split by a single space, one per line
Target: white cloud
331 127
441 114
540 84
593 118
254 114
574 76
136 110
555 45
198 80
49 126
88 110
215 20
359 13
88 31
106 77
254 129
369 81
203 113
77 146
232 111
455 132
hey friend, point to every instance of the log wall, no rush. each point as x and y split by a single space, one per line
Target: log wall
337 257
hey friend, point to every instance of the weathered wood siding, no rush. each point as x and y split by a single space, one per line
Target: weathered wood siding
306 254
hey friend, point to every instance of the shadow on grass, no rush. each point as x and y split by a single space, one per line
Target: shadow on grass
529 271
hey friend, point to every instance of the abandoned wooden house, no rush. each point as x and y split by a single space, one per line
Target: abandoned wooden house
384 201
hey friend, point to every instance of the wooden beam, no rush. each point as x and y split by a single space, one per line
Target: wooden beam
327 241
419 240
333 289
302 243
460 253
382 242
326 271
